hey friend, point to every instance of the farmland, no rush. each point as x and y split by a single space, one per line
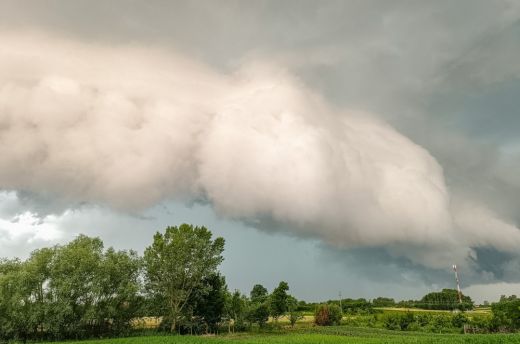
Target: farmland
328 335
154 299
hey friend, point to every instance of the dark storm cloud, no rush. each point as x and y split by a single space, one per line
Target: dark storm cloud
445 74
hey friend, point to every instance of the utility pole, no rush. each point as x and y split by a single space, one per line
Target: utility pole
340 301
458 282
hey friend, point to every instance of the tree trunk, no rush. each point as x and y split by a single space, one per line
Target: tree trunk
174 321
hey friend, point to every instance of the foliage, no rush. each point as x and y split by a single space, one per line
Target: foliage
259 314
506 313
236 310
383 302
74 291
279 300
177 262
356 306
328 315
208 303
447 299
259 294
294 313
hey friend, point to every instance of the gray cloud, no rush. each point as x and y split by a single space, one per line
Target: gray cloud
86 126
438 188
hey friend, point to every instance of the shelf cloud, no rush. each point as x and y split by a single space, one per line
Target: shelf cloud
131 126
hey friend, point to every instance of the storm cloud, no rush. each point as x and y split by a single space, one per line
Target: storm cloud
130 127
382 129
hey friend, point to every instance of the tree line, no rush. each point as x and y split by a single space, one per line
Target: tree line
82 290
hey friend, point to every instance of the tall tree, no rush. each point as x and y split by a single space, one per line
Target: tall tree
236 307
209 302
177 262
258 294
279 300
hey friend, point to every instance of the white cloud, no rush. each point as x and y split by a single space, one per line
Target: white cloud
129 127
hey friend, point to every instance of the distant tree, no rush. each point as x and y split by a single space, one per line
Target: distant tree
383 302
73 291
177 262
210 302
279 300
335 314
506 313
294 313
259 294
118 284
328 314
259 313
236 308
447 299
356 306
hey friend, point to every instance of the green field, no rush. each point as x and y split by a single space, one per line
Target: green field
321 335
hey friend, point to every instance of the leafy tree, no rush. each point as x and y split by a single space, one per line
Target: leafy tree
356 306
259 314
447 299
294 313
236 309
506 313
72 291
210 303
279 300
117 286
177 262
259 294
328 314
383 302
335 314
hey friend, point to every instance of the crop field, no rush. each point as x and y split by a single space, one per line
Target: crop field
337 334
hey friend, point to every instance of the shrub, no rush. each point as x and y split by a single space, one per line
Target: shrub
440 323
335 314
327 315
321 315
459 319
391 321
506 314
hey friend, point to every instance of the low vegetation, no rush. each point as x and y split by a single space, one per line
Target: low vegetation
82 290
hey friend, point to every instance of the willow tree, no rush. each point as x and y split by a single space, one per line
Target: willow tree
177 262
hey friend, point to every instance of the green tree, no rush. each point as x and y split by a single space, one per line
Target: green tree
258 294
447 299
236 308
177 262
506 313
383 302
279 301
328 314
71 291
259 314
210 302
294 313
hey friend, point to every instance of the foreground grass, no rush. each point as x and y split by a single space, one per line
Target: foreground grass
326 335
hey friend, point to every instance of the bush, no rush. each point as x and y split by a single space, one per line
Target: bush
327 315
321 315
440 323
402 322
391 321
335 314
459 320
506 314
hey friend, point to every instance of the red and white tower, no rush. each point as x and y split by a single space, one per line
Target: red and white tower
458 282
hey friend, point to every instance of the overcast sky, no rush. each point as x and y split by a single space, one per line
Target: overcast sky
360 147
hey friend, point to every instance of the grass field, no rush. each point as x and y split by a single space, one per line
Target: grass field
319 335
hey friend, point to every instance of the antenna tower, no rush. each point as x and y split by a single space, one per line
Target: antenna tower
458 282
